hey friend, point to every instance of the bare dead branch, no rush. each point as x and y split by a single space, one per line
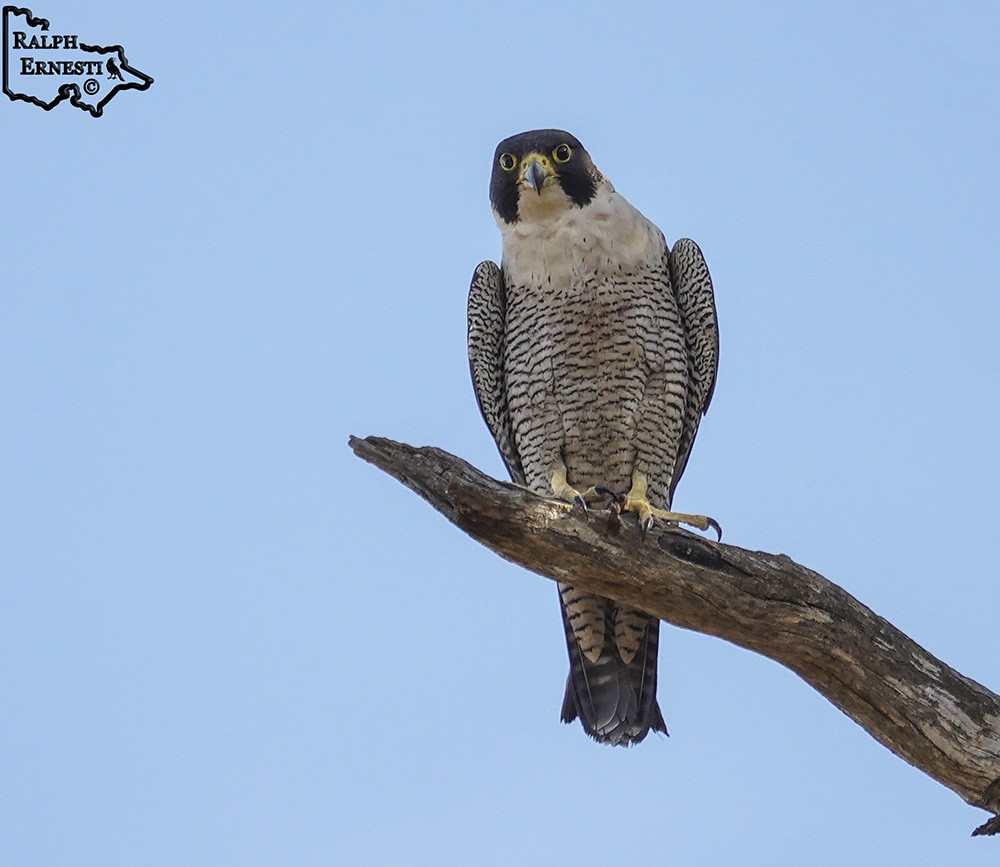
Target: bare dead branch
927 713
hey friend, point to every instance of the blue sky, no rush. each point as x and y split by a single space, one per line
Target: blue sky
227 640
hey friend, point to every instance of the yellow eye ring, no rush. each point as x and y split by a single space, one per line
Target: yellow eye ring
562 153
508 162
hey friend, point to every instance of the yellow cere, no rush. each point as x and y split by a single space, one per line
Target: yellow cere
536 157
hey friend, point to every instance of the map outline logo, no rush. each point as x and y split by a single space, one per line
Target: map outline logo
93 69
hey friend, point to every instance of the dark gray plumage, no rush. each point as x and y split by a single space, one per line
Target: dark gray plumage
593 352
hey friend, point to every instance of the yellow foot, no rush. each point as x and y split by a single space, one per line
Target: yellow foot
564 491
637 501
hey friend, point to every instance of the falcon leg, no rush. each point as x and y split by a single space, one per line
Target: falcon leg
564 491
637 501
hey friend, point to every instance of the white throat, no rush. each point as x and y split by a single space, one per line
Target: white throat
556 240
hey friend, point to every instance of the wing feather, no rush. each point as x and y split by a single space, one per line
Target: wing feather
692 286
487 312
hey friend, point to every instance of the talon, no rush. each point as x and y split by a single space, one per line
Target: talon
637 501
564 491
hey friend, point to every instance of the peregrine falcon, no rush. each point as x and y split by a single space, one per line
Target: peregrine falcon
593 351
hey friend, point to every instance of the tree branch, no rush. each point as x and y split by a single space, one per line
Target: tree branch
927 713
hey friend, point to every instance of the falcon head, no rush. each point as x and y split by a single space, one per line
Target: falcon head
540 174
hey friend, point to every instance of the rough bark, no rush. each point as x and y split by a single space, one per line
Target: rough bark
924 711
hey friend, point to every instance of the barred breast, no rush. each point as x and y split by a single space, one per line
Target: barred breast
595 360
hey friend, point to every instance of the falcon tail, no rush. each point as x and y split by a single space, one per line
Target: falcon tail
615 700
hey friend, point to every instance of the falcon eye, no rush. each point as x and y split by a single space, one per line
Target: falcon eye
508 162
562 153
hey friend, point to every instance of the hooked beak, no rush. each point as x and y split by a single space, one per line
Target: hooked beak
535 175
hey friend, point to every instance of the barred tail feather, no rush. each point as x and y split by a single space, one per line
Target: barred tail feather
614 700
